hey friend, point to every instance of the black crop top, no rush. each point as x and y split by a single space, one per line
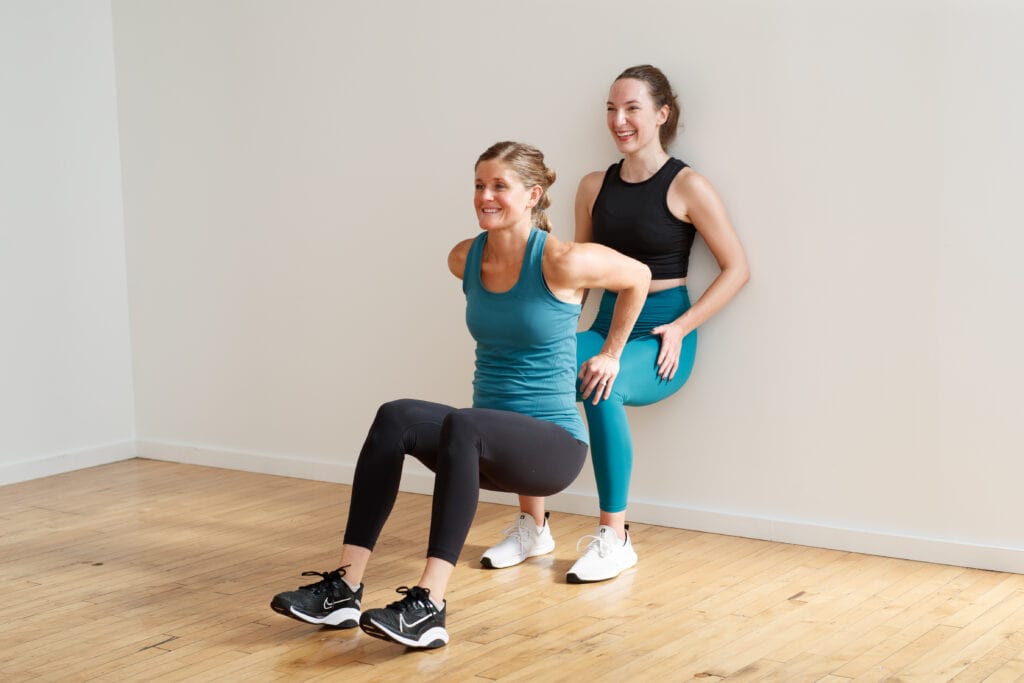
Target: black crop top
634 219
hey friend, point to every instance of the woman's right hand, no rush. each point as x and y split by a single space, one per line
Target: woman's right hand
671 335
597 374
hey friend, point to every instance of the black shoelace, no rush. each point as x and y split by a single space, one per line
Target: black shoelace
320 586
413 596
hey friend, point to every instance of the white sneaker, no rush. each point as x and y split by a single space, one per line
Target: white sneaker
522 540
605 558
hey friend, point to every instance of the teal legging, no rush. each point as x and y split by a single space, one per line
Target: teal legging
638 384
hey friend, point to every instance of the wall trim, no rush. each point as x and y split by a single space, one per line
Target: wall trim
417 479
68 461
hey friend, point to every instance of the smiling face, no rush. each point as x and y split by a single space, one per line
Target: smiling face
633 117
501 199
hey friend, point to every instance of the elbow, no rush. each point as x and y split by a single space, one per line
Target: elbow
739 273
643 278
744 275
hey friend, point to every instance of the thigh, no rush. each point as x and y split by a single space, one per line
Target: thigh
588 345
417 424
524 454
638 380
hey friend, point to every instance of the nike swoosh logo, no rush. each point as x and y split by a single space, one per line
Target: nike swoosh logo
403 625
328 604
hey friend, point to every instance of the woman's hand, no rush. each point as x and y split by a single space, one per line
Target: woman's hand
671 345
597 375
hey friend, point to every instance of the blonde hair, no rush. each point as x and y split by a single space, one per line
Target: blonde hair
528 163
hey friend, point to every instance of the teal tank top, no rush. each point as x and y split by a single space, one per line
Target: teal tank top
525 342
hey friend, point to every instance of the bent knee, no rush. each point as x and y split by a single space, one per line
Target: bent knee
458 423
395 417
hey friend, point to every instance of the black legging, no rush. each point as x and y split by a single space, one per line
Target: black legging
468 449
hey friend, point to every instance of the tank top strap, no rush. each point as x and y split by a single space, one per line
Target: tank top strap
471 272
532 275
668 172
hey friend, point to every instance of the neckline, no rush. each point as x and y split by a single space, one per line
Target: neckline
534 231
618 173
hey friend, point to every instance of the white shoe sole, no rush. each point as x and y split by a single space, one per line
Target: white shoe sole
489 563
573 577
347 617
431 638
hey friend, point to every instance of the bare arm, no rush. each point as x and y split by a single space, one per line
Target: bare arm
586 194
583 266
457 258
703 207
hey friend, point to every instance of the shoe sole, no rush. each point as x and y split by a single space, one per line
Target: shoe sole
487 563
347 617
572 577
432 638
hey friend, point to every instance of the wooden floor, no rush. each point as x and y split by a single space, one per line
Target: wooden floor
145 570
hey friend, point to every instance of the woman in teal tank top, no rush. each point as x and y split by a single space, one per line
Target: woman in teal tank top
523 434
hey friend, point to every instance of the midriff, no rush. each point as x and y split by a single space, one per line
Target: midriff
670 283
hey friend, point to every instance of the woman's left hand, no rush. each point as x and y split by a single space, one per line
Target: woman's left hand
597 375
671 345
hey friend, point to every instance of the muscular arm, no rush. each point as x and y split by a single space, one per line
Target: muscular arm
594 265
582 266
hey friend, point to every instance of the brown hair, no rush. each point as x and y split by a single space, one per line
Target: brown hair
660 91
528 163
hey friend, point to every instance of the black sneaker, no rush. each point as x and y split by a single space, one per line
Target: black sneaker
329 601
414 620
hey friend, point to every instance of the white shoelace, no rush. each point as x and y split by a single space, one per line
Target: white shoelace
603 546
519 533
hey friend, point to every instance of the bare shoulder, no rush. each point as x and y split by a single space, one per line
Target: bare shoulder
457 257
557 251
589 186
561 260
566 261
689 184
691 195
592 181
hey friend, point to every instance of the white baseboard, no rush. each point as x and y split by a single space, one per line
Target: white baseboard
34 468
417 479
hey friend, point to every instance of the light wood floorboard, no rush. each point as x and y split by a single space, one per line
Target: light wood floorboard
145 570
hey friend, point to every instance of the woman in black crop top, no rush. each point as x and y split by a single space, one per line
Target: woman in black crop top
649 206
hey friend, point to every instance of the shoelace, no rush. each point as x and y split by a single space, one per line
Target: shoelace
601 544
320 586
415 596
517 532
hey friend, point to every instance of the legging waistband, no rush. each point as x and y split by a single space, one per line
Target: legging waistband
659 308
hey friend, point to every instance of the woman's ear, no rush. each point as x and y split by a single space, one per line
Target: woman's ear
536 192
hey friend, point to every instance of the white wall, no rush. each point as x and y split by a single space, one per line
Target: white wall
295 174
65 361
